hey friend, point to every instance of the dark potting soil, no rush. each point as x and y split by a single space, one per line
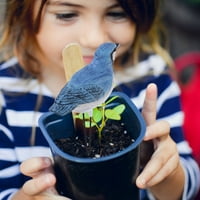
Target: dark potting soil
114 138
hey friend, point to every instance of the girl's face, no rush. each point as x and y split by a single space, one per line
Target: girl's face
87 22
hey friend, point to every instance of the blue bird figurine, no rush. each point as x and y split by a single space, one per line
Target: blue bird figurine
90 86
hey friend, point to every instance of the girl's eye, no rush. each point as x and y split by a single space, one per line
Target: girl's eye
117 15
65 16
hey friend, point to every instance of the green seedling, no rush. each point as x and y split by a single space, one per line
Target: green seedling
101 115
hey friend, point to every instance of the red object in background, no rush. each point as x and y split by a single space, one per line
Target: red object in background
188 77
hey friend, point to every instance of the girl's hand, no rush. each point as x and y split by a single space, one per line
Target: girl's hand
41 186
165 159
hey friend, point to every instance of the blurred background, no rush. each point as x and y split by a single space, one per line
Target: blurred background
182 21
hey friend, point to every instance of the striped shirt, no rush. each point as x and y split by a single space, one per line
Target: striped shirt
19 114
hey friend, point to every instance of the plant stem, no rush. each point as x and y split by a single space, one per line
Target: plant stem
87 144
90 132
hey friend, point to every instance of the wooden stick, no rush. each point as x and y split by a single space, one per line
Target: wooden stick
72 59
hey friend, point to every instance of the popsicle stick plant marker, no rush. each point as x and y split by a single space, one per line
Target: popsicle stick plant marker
72 60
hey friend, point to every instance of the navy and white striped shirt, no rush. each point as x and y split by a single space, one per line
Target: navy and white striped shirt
19 117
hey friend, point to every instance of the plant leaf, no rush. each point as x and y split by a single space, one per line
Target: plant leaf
78 116
82 116
119 109
112 114
97 115
86 116
88 125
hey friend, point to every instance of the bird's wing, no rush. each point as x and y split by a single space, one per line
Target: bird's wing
79 95
69 98
61 109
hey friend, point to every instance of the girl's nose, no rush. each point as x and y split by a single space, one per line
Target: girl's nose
94 35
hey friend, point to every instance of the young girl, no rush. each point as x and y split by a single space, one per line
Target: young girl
34 34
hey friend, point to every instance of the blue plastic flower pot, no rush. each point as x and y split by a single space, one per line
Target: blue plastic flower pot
106 178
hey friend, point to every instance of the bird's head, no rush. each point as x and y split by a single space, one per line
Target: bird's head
106 49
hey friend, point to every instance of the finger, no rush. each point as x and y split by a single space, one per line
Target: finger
160 164
164 172
33 166
160 129
149 107
39 184
149 114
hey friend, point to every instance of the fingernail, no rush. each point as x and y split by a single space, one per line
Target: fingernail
146 137
141 182
47 161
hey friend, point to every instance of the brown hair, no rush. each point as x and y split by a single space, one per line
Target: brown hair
20 29
142 12
150 30
19 33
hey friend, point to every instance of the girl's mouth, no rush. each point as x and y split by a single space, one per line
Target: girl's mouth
88 59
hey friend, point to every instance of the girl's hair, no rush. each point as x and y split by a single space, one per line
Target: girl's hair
150 35
18 34
20 29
